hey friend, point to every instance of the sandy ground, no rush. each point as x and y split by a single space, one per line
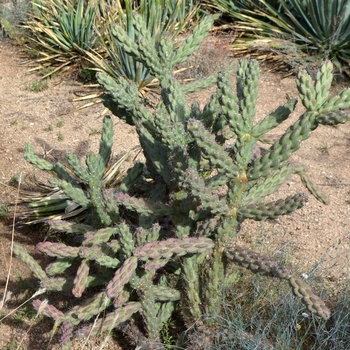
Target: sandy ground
316 236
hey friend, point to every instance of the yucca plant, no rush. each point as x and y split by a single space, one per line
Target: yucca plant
318 29
50 202
164 238
62 31
241 6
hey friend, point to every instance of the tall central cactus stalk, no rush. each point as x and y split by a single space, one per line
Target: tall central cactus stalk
170 225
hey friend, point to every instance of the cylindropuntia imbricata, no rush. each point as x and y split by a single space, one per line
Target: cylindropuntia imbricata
165 235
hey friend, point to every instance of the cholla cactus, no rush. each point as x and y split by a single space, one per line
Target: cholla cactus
185 205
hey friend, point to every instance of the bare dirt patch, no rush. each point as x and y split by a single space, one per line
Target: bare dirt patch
47 120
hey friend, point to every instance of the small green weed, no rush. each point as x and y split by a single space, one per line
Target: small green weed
48 128
4 211
37 86
87 75
94 131
13 181
13 122
12 345
59 124
60 136
324 148
168 339
32 53
45 70
2 316
48 72
25 313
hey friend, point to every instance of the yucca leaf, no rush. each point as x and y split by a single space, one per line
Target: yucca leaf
319 28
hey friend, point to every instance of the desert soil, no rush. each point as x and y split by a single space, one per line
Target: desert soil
317 235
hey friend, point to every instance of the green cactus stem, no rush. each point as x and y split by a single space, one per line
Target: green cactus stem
256 263
40 163
81 280
121 277
91 307
110 321
272 210
274 119
99 236
313 303
141 206
208 201
172 246
22 254
283 148
191 269
333 118
69 227
164 293
67 334
62 284
150 310
59 266
211 150
323 82
60 250
48 310
267 186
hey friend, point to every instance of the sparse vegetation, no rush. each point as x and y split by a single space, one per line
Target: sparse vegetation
60 124
60 136
24 314
37 86
258 315
13 181
87 75
165 333
12 14
48 128
5 210
13 345
94 131
324 148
